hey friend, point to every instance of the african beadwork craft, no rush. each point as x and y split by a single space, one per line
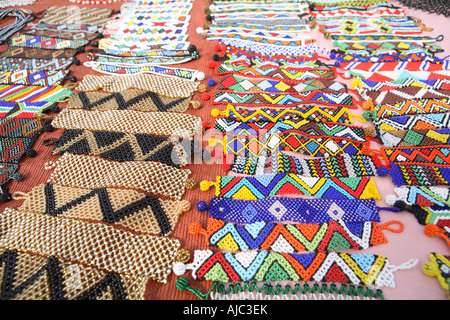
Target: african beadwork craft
91 173
417 122
438 7
307 112
72 27
402 94
61 34
131 99
143 255
134 210
340 166
26 93
421 196
8 171
41 78
411 138
168 86
371 38
70 14
437 156
438 267
141 61
130 121
121 146
272 266
8 64
37 277
25 109
259 187
45 42
292 238
37 53
418 175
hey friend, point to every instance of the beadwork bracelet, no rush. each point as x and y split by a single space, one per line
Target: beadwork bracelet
294 210
293 238
71 14
417 122
142 61
385 38
438 7
263 265
171 87
259 187
267 291
358 13
417 175
92 173
54 278
37 53
270 49
8 64
421 196
142 255
68 35
307 112
437 156
22 93
238 61
412 138
71 27
437 267
120 146
140 213
129 121
131 99
343 165
23 40
25 109
43 78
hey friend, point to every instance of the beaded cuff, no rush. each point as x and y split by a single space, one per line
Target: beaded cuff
438 7
401 94
340 99
146 60
406 108
139 255
259 187
131 99
25 110
23 40
315 147
167 86
121 146
149 53
438 267
307 112
437 156
421 196
418 175
271 266
277 73
340 166
72 27
297 210
8 64
290 238
357 13
37 277
418 122
56 14
37 53
271 49
385 38
130 121
23 93
8 171
133 210
436 84
28 77
68 35
92 173
412 138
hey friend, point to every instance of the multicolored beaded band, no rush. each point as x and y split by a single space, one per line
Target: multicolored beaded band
296 210
412 138
26 110
37 53
270 49
437 267
8 64
259 187
142 61
71 27
68 35
155 216
421 196
272 266
385 38
438 156
43 78
23 40
417 175
293 238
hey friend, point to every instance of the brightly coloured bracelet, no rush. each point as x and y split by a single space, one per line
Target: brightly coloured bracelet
43 78
259 187
90 172
385 38
23 40
438 156
25 109
417 175
23 93
438 266
61 34
143 213
8 64
293 238
37 53
71 27
421 196
413 138
417 122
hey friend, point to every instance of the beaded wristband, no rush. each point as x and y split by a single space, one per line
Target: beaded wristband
146 60
421 196
357 13
41 78
387 56
259 187
167 86
290 238
8 64
346 3
438 156
412 138
263 21
25 109
350 27
70 14
132 46
418 175
379 46
238 83
120 146
239 60
23 40
8 171
22 93
186 74
130 121
438 267
68 35
271 266
235 55
142 255
160 52
37 53
136 211
385 38
260 37
294 210
150 35
310 129
299 291
339 99
132 99
417 122
307 112
405 108
278 73
90 172
315 147
271 49
37 277
437 7
340 166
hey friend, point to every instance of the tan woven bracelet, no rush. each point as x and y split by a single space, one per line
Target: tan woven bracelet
91 172
93 244
173 87
131 99
128 121
133 210
34 277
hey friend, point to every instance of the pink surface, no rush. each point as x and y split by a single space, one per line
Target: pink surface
411 284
